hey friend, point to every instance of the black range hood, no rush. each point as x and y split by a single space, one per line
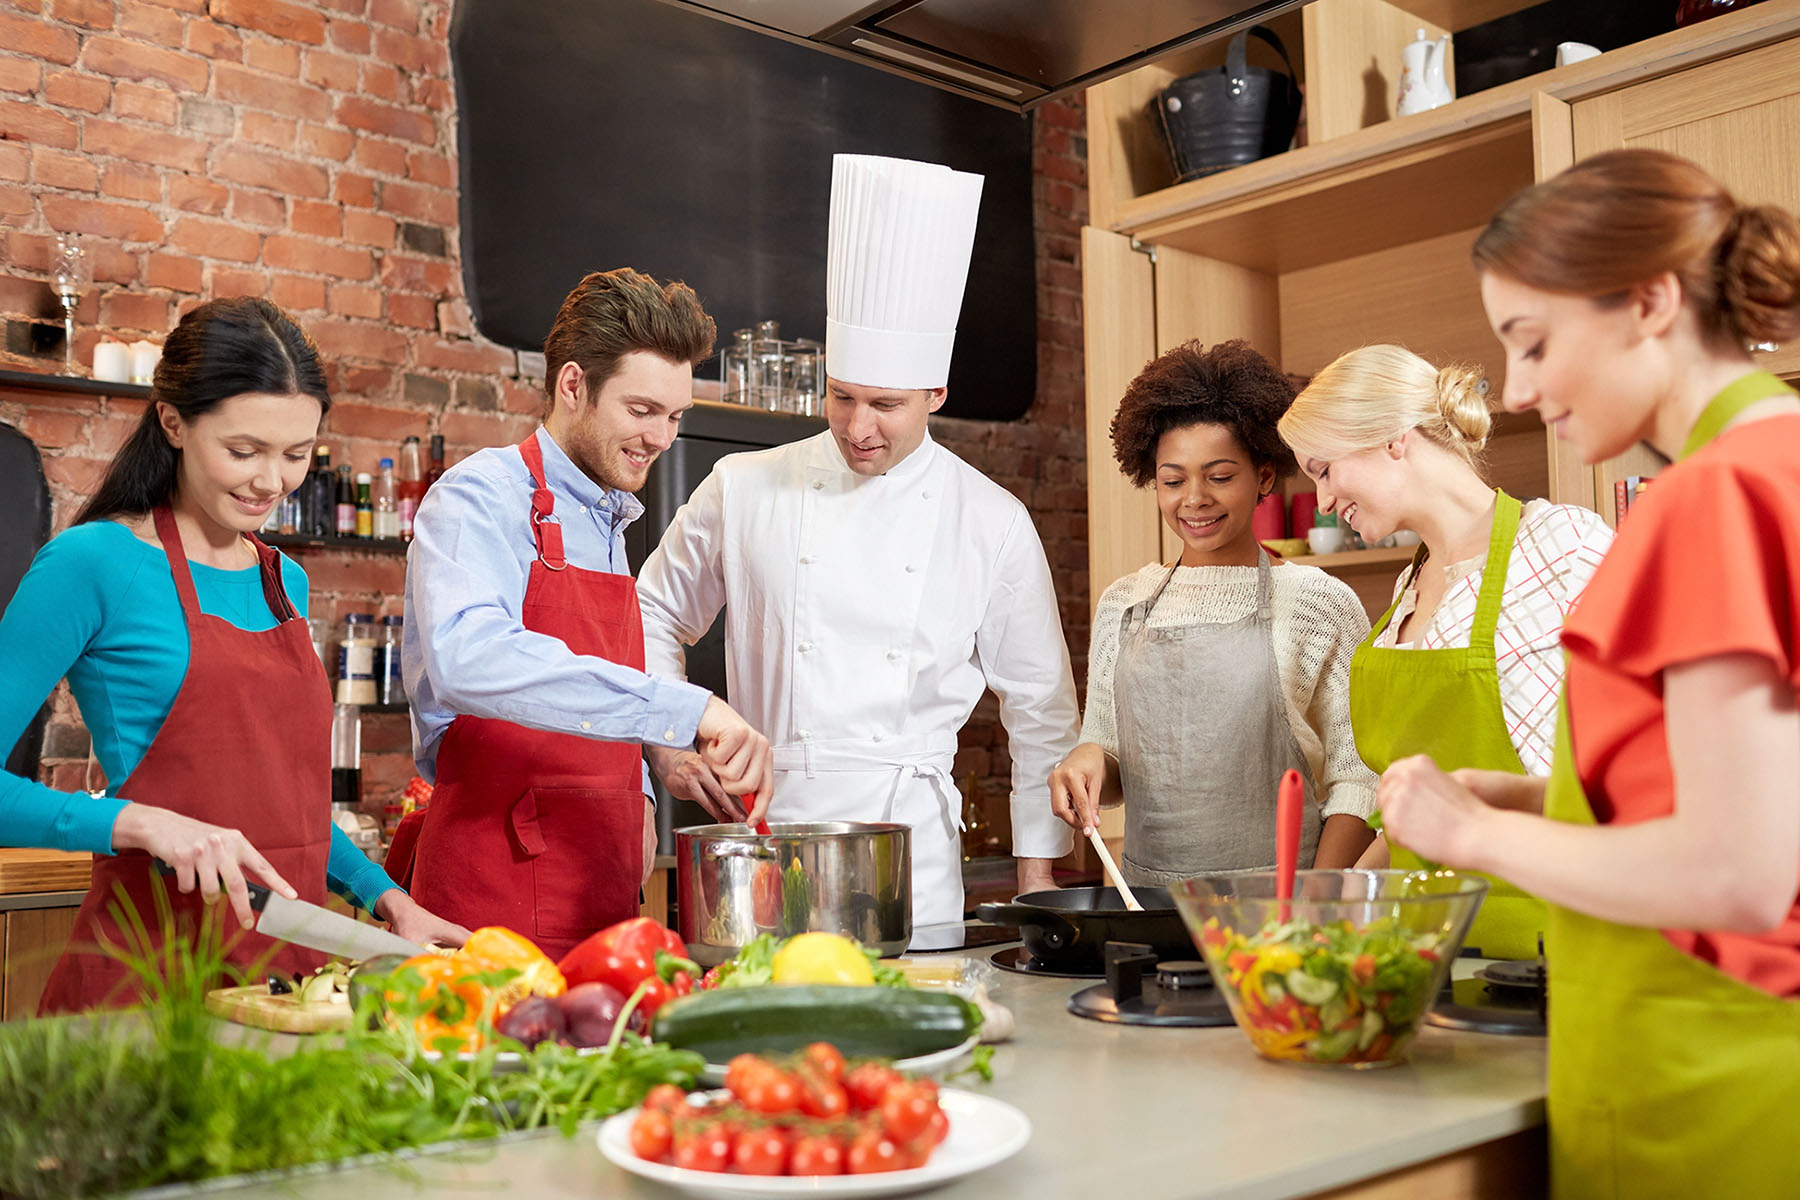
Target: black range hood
1012 53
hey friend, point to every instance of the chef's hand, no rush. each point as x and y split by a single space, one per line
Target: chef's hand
1034 875
1075 786
1430 813
738 755
1504 789
687 777
412 921
208 856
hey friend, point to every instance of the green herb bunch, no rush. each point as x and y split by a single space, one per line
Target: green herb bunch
131 1099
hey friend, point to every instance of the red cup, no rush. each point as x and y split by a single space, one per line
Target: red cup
1306 508
1266 521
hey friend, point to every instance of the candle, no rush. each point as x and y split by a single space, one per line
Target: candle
112 361
144 357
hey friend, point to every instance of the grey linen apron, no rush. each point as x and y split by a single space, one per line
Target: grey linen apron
1203 742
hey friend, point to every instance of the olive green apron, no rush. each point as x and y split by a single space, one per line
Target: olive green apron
1668 1077
1446 703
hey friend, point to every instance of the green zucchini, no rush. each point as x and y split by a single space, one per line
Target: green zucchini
862 1022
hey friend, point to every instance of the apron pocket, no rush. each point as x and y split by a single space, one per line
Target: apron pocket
586 854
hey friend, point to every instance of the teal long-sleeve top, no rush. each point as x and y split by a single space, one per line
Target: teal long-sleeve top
99 606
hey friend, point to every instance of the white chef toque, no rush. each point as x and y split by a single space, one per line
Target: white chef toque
901 236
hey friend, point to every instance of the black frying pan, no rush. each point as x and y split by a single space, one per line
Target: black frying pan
1067 927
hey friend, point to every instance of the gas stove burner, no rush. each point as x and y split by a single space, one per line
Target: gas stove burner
1510 997
1018 958
1140 991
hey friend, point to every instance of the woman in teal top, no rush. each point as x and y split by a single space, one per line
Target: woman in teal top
158 566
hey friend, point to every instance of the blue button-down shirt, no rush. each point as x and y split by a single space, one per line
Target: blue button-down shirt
466 649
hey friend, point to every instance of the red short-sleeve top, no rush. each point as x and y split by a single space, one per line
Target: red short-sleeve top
1707 564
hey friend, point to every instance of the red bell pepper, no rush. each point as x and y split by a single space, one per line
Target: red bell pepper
638 951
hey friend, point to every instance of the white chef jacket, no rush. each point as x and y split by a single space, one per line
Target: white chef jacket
864 619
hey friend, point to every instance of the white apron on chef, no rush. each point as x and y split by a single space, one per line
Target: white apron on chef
866 617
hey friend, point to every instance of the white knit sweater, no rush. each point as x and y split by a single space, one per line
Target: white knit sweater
1318 623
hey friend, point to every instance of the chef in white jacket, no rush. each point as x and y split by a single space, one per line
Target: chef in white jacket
874 583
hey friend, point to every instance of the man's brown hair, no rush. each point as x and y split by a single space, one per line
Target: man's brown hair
612 313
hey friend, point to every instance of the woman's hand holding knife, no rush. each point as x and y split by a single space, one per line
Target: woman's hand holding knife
210 857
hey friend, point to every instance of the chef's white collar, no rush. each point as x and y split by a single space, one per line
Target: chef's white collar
910 467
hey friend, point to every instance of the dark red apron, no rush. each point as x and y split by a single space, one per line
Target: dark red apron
246 745
540 832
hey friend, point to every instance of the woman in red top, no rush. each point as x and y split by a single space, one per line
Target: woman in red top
1627 291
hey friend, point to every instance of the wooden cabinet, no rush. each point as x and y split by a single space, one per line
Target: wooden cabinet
1363 233
31 940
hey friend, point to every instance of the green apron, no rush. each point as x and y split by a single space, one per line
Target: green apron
1668 1077
1446 703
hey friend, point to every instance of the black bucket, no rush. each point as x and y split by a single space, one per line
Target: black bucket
1230 115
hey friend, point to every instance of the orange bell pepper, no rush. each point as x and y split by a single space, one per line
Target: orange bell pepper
452 1001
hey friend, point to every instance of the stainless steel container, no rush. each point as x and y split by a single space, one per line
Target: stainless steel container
848 877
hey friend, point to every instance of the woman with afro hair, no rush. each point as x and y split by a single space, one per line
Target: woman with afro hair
1209 677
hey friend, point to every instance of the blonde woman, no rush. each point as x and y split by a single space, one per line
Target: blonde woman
1466 663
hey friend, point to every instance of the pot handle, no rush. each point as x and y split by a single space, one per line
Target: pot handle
720 850
1056 932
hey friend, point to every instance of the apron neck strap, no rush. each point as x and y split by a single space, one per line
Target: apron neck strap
1493 573
546 527
268 563
1723 408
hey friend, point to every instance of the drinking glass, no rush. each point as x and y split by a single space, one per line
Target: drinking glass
71 274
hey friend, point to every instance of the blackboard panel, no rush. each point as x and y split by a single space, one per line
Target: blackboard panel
604 133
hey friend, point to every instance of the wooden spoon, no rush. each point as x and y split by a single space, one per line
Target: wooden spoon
1112 872
1288 803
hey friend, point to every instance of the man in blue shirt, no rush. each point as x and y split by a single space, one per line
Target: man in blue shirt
524 649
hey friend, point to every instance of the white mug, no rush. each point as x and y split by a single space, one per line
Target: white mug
1326 539
1574 52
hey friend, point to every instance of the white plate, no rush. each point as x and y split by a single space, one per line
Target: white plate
935 1064
983 1131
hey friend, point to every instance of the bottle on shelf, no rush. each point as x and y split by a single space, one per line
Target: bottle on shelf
435 469
412 485
346 503
384 501
346 755
318 509
365 506
288 513
356 660
272 522
390 684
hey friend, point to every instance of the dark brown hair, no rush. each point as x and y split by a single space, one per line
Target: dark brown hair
1625 216
1230 385
612 313
222 349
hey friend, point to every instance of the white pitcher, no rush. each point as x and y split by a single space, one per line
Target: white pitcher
1423 84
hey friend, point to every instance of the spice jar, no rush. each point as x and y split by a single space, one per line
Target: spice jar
356 660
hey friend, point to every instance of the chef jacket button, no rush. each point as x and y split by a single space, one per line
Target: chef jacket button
911 569
804 647
806 558
818 484
879 736
805 734
893 656
587 724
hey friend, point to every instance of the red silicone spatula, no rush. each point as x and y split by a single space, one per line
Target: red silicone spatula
1288 802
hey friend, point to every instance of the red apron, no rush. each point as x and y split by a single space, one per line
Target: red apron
540 832
246 745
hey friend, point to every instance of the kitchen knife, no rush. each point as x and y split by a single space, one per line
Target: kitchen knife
319 928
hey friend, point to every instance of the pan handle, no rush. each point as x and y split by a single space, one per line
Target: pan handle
1055 932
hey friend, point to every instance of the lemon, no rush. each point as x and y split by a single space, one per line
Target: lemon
821 958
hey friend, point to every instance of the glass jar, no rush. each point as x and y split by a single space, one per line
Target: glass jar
356 660
734 368
768 358
390 683
806 382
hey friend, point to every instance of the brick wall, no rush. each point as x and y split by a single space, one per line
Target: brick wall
306 152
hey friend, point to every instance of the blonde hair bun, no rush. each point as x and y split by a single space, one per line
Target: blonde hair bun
1462 405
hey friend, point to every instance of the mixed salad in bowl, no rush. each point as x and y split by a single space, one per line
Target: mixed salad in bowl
1342 974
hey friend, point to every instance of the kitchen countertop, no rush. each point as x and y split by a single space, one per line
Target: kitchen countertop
1179 1113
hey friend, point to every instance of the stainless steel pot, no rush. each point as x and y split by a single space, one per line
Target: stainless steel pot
848 877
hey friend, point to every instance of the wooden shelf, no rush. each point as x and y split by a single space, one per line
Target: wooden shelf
75 384
1356 560
301 541
1429 174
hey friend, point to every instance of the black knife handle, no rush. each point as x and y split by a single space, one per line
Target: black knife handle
259 895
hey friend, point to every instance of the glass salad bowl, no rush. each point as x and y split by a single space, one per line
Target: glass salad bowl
1344 972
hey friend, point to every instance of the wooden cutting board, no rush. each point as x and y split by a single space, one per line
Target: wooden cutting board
254 1006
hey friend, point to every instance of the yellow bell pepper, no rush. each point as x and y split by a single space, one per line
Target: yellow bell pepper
494 948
